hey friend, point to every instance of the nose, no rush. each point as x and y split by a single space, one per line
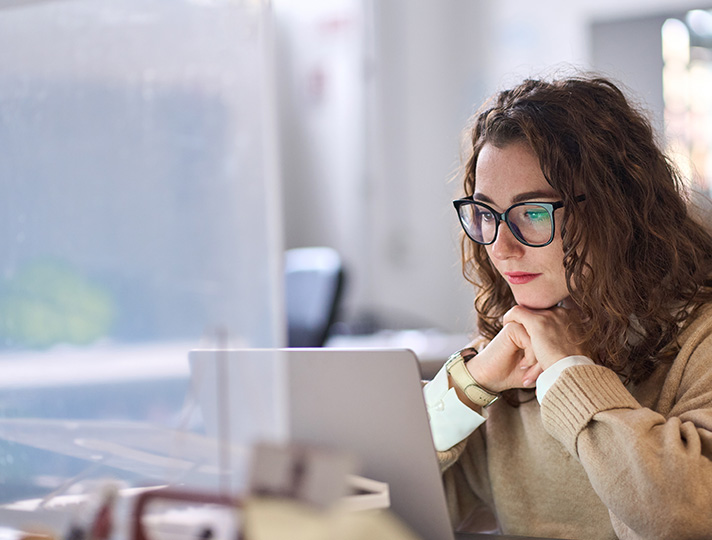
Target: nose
506 246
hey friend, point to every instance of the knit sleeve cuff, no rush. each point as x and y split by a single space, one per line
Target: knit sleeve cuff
447 458
577 396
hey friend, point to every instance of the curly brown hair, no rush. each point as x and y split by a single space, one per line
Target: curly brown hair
637 264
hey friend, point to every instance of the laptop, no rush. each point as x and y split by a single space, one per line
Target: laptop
368 403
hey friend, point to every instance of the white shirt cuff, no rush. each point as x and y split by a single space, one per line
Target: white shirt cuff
451 420
547 379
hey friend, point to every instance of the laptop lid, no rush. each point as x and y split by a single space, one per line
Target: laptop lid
368 403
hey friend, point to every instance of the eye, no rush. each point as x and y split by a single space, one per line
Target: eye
483 215
536 215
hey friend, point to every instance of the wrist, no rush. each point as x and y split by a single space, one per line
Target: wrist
461 395
475 367
468 389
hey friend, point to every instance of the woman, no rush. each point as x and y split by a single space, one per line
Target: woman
593 302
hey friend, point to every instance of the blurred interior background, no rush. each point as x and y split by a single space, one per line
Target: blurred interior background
158 158
167 168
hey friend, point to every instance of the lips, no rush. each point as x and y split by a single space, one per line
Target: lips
520 278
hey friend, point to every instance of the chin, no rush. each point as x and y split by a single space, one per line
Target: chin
539 303
535 305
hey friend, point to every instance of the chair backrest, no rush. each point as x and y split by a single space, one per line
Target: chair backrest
314 282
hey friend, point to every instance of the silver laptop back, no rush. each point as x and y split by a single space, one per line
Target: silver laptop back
368 403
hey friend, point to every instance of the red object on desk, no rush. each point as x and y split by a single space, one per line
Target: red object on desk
138 532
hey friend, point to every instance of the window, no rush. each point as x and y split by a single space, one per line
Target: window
687 79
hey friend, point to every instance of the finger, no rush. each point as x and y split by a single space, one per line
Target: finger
528 357
529 378
533 321
528 360
518 335
514 315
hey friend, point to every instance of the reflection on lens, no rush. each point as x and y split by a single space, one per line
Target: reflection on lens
484 224
532 222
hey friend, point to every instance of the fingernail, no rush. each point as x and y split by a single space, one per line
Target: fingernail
526 382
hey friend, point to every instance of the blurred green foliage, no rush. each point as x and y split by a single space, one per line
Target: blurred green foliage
47 302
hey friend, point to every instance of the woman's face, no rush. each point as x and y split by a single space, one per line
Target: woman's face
506 176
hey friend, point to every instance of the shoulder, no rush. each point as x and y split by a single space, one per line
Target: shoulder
689 380
697 330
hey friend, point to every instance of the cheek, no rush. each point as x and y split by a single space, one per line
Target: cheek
491 259
556 263
555 255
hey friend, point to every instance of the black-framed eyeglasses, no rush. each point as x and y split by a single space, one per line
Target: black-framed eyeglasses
532 223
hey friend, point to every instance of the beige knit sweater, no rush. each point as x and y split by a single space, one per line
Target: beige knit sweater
598 460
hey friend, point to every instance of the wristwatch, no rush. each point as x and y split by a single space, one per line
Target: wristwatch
465 382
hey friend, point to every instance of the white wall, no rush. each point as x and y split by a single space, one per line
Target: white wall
427 70
528 38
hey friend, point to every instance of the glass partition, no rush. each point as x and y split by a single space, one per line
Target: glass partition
140 220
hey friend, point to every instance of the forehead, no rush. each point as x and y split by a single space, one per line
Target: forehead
504 173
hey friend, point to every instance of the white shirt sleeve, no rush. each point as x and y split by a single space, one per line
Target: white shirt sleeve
550 374
451 420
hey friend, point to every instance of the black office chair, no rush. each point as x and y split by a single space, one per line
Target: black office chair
314 283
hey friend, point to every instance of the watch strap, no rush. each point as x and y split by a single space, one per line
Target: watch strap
465 382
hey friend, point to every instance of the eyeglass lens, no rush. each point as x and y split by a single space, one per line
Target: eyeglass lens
530 223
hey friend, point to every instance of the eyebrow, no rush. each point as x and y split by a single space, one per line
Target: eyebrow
521 197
